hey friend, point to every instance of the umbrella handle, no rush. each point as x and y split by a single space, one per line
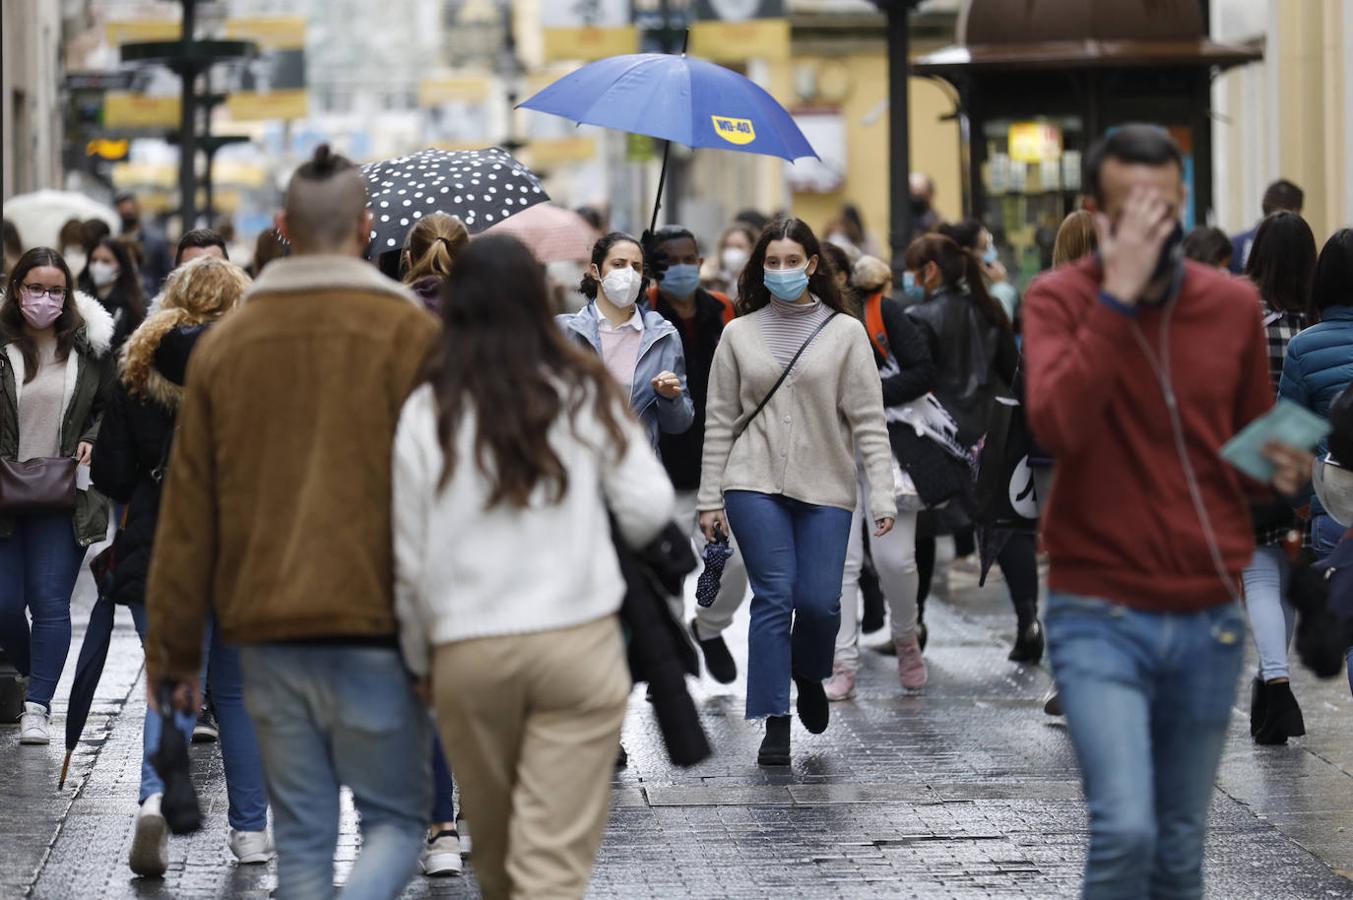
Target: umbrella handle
662 181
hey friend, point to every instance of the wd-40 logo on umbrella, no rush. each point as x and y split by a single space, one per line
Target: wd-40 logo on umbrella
735 131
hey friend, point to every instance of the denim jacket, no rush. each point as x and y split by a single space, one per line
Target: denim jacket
659 352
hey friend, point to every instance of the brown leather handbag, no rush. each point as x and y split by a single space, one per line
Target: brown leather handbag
45 484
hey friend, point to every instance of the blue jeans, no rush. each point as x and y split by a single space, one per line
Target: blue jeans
1272 619
443 787
795 554
1325 534
246 793
39 564
1147 698
340 715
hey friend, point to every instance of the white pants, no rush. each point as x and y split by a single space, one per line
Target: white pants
894 557
711 621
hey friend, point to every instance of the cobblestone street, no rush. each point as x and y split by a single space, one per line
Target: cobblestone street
966 791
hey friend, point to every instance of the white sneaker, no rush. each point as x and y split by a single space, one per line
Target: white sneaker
441 854
150 846
33 724
251 847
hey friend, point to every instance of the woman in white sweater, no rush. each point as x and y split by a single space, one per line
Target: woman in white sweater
506 581
781 471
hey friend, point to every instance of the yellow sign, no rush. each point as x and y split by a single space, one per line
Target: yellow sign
107 148
286 104
590 43
124 109
139 175
1034 142
131 31
453 89
545 153
735 131
269 32
741 41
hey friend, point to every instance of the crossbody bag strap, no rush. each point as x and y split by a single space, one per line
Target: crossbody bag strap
737 432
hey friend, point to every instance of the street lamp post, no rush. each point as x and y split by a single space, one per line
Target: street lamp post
899 138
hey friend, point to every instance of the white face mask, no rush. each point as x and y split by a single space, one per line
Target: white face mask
103 273
622 286
733 259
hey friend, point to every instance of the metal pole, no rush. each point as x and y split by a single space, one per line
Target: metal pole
899 140
662 179
188 122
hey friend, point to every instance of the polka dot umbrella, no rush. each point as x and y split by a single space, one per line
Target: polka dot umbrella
481 187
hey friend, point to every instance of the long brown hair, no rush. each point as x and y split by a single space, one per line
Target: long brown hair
432 245
1075 238
503 356
960 270
752 291
12 329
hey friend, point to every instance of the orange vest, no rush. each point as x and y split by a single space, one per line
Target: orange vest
729 311
873 322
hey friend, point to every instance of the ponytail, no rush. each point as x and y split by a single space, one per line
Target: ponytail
961 272
432 246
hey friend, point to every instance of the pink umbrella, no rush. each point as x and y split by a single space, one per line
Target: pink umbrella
552 233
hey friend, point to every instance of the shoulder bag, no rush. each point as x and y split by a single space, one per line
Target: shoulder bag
42 485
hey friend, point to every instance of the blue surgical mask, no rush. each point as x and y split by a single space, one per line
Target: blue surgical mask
787 284
681 280
914 292
990 255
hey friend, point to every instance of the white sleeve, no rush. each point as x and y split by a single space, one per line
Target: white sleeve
636 486
414 476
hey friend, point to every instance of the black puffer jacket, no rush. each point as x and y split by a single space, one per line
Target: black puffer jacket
133 449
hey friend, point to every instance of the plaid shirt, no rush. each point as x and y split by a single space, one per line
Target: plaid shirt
1281 327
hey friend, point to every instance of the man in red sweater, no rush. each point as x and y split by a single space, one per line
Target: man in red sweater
1141 366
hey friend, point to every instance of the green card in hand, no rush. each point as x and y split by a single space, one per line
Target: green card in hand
1287 423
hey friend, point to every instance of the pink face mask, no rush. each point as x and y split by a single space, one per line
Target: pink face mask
40 310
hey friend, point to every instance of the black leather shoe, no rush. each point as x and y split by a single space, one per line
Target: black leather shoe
814 711
1282 715
722 668
1028 646
775 745
1258 704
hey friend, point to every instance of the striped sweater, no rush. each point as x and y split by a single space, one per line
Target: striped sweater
788 325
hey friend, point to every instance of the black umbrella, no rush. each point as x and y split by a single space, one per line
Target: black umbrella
481 187
93 655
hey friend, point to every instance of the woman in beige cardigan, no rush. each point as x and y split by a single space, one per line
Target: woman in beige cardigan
779 467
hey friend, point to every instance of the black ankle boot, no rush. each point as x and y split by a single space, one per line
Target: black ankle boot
1282 715
1028 645
814 711
775 745
1258 704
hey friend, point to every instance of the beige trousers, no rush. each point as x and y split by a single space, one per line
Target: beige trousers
530 724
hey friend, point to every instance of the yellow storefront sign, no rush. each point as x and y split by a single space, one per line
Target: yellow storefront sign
124 109
269 32
288 104
741 41
590 43
453 89
131 31
546 153
1034 142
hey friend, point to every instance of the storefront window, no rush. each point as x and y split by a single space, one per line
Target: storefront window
1031 179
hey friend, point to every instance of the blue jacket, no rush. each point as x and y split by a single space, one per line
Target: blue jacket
1240 249
1319 361
659 352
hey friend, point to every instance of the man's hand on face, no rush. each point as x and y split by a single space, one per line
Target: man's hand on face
1131 248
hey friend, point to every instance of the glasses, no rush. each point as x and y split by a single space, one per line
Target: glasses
37 290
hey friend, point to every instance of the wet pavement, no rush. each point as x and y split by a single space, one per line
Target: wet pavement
967 790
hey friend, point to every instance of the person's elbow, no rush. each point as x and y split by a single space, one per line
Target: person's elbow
676 414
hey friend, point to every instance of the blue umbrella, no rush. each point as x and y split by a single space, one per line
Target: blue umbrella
675 98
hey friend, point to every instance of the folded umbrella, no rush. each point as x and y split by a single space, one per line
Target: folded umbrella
480 187
93 655
717 554
675 98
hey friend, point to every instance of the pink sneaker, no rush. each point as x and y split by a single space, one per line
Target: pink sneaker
910 664
841 686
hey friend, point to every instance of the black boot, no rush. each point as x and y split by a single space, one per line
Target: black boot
1282 715
1028 645
1258 704
775 745
720 663
622 759
814 711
